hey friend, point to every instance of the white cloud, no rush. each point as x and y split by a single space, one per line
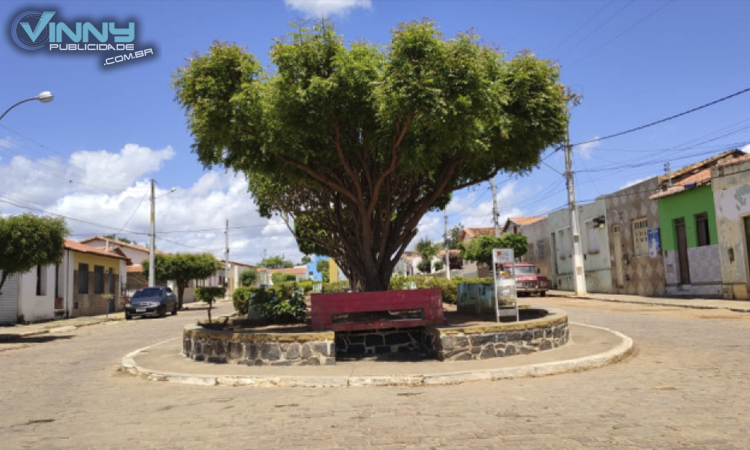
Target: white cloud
745 149
585 149
107 187
632 183
326 7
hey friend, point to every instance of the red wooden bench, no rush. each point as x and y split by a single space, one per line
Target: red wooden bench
377 310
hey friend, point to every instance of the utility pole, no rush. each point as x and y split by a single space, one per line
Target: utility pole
494 208
152 237
226 257
579 275
447 247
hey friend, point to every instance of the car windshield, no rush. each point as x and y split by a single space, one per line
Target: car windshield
525 270
145 293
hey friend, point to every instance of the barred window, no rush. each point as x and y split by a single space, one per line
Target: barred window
640 236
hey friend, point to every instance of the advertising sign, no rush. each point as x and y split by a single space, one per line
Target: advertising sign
654 243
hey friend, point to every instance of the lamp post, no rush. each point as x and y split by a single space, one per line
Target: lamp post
44 97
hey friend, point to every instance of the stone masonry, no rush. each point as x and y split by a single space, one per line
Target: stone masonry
379 342
259 349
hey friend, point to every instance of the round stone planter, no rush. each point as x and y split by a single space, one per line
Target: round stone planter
258 348
457 343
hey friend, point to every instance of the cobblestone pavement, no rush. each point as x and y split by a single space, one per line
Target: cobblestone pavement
687 387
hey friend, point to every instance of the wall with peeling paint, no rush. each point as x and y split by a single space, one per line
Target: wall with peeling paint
731 191
596 261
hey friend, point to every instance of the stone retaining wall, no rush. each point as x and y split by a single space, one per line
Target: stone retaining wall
259 349
505 339
380 342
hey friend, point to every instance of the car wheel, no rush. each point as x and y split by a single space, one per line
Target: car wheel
163 311
128 316
174 309
543 293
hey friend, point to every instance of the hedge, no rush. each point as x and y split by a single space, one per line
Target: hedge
448 287
276 305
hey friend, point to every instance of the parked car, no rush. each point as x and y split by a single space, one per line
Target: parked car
528 280
151 301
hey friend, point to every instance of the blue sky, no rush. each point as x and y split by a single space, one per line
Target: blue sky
90 153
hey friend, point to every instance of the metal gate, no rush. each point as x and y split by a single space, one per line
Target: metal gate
9 300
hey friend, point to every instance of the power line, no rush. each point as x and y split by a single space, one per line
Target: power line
133 214
583 25
598 28
651 124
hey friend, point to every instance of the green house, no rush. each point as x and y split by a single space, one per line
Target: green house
689 236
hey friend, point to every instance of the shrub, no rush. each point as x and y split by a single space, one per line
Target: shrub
241 299
425 266
208 295
305 285
275 308
248 277
335 287
439 266
290 277
277 277
449 288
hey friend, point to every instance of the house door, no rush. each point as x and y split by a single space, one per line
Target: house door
746 221
617 238
679 225
9 300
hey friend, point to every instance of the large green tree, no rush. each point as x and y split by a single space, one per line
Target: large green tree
183 267
354 144
27 241
480 249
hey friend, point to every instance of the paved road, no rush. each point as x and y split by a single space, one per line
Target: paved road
687 387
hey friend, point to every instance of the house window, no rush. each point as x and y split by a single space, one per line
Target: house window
541 248
41 281
701 225
530 253
592 236
83 278
98 280
111 276
640 237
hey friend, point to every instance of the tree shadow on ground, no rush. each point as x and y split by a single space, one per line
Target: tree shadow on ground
12 338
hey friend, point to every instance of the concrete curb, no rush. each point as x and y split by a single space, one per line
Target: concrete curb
635 302
618 353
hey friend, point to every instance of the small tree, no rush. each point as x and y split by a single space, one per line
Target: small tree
323 267
209 295
454 236
480 249
248 277
439 266
305 259
27 241
183 267
278 278
425 266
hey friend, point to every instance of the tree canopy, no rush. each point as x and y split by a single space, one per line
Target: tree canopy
27 241
354 144
248 277
275 262
480 249
183 267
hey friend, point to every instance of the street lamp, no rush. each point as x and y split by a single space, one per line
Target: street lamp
44 97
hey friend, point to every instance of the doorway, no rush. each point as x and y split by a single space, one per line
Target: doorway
679 225
617 238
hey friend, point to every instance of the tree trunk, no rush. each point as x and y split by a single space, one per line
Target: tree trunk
3 277
180 292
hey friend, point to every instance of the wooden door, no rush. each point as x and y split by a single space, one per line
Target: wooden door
679 225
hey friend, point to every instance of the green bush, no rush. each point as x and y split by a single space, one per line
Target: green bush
305 285
290 277
335 287
449 288
275 308
241 299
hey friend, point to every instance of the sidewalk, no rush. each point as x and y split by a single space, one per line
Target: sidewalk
695 303
589 347
18 332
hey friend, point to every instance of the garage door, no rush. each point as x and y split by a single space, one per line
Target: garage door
9 301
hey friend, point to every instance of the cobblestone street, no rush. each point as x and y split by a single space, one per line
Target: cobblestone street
686 387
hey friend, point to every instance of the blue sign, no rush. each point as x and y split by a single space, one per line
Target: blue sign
654 243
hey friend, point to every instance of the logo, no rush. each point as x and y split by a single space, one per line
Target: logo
34 30
37 41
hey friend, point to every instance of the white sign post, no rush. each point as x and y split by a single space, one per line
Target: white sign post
504 286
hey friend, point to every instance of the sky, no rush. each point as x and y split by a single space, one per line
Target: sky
90 154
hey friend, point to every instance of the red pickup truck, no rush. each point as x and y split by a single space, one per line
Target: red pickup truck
528 281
